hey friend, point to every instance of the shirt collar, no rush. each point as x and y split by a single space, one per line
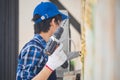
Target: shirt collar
40 39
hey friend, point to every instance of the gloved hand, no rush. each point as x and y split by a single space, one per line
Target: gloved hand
57 58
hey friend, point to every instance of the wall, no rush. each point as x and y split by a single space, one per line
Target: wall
100 36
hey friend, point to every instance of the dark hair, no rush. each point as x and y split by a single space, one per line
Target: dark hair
44 25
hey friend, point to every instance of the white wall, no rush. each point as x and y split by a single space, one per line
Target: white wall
101 61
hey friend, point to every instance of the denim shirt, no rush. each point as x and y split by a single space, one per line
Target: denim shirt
32 59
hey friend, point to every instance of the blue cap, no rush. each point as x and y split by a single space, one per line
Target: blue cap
47 10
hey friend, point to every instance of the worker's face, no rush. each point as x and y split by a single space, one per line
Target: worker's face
54 25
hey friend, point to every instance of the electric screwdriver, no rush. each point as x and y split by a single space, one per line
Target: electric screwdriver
53 41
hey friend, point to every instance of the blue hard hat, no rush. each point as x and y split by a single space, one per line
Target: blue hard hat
47 10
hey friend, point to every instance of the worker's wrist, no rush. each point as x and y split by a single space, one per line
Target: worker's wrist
49 68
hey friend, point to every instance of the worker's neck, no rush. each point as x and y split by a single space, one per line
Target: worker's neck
45 36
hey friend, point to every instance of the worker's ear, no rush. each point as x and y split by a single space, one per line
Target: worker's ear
52 23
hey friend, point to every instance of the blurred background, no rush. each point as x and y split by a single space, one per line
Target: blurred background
92 32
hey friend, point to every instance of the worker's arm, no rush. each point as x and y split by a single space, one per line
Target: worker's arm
54 61
43 74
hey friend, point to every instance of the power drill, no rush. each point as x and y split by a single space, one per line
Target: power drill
53 41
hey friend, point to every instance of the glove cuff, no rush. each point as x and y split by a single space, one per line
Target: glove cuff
48 67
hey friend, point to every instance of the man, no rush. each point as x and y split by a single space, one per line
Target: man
32 59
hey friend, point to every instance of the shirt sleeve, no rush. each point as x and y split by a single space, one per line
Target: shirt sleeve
27 63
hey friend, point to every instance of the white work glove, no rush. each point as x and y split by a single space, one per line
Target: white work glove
57 58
